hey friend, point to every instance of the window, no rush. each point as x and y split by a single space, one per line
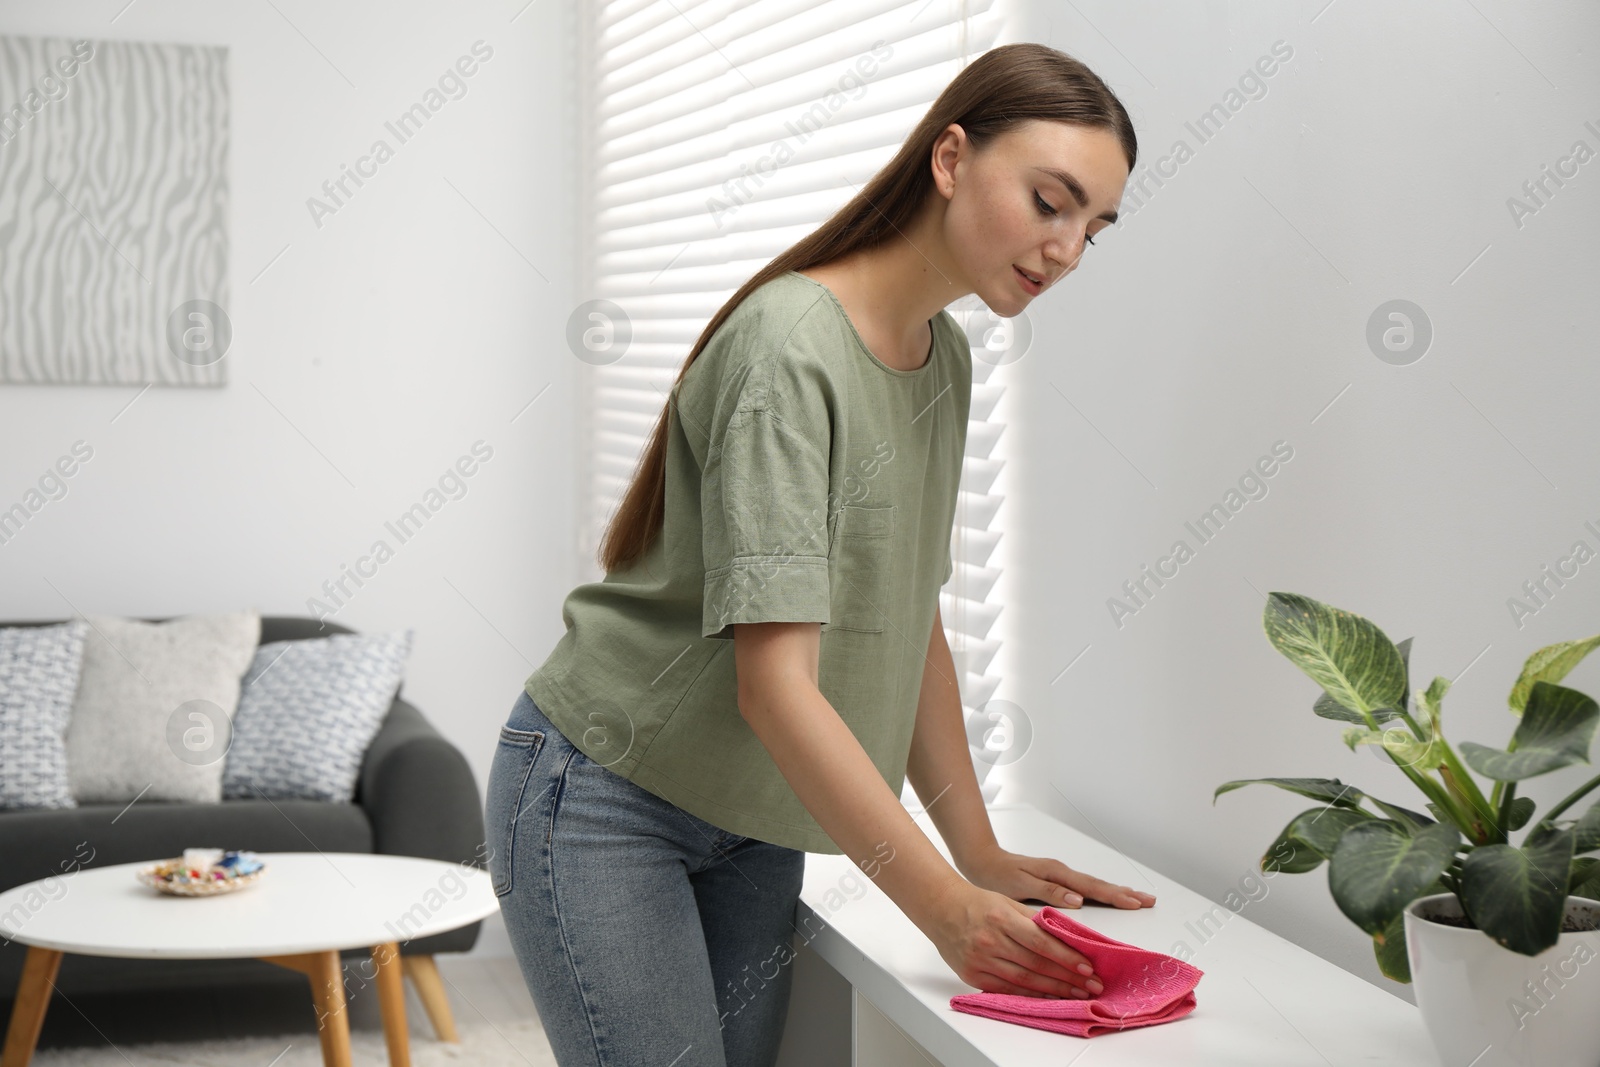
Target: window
968 603
715 135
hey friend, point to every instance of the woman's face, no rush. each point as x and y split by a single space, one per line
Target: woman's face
1030 202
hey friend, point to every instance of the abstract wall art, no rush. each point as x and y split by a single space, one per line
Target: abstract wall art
113 213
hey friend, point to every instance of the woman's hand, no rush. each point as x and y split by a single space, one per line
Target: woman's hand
992 942
1041 878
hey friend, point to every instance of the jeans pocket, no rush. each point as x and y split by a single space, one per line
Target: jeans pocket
509 775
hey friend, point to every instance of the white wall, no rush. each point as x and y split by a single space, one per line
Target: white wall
371 354
1225 315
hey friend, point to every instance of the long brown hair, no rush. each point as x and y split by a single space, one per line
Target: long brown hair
999 90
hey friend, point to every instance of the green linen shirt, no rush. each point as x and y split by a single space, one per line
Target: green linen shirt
806 481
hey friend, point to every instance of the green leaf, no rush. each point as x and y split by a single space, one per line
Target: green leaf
1390 945
1583 871
1521 811
1353 660
1328 790
1549 664
1330 708
1438 813
1404 648
1379 868
1432 699
1390 948
1322 828
1517 895
1360 735
1287 855
1586 831
1556 730
1589 887
1411 751
1397 740
1403 816
1311 838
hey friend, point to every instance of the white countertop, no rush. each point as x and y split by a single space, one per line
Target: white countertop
1263 1000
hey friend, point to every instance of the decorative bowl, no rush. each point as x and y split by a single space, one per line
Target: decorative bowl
203 873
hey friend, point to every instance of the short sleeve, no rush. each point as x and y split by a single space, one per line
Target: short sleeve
949 569
764 521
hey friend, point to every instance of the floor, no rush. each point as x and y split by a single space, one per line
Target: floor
496 1018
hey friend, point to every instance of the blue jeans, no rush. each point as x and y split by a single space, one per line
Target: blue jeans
646 936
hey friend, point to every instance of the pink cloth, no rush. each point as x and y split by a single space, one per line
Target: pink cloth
1142 987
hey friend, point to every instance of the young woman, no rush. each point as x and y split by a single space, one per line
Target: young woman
763 664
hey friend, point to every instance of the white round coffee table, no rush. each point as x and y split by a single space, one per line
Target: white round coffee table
306 907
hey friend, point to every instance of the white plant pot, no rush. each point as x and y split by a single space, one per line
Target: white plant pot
1487 1006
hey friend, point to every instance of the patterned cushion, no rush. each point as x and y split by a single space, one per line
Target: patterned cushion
308 711
38 675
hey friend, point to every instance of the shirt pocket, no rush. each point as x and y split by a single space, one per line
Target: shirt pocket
860 568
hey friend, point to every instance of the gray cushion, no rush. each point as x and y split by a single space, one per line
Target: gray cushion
38 676
308 710
152 715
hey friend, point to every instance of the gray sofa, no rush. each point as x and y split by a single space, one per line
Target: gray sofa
416 797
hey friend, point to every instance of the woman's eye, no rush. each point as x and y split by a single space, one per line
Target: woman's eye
1046 209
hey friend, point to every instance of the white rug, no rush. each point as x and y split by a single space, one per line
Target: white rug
501 1044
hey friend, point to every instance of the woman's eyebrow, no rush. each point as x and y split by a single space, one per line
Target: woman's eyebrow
1076 189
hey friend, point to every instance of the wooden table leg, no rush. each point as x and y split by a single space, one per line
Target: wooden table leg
392 1002
327 993
39 972
424 974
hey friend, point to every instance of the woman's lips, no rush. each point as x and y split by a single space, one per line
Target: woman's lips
1030 287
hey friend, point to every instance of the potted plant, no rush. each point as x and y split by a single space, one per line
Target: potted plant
1493 932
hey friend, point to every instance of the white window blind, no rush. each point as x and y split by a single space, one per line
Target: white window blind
968 603
714 136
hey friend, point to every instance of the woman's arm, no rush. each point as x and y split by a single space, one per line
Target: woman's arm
776 667
988 939
940 764
940 770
